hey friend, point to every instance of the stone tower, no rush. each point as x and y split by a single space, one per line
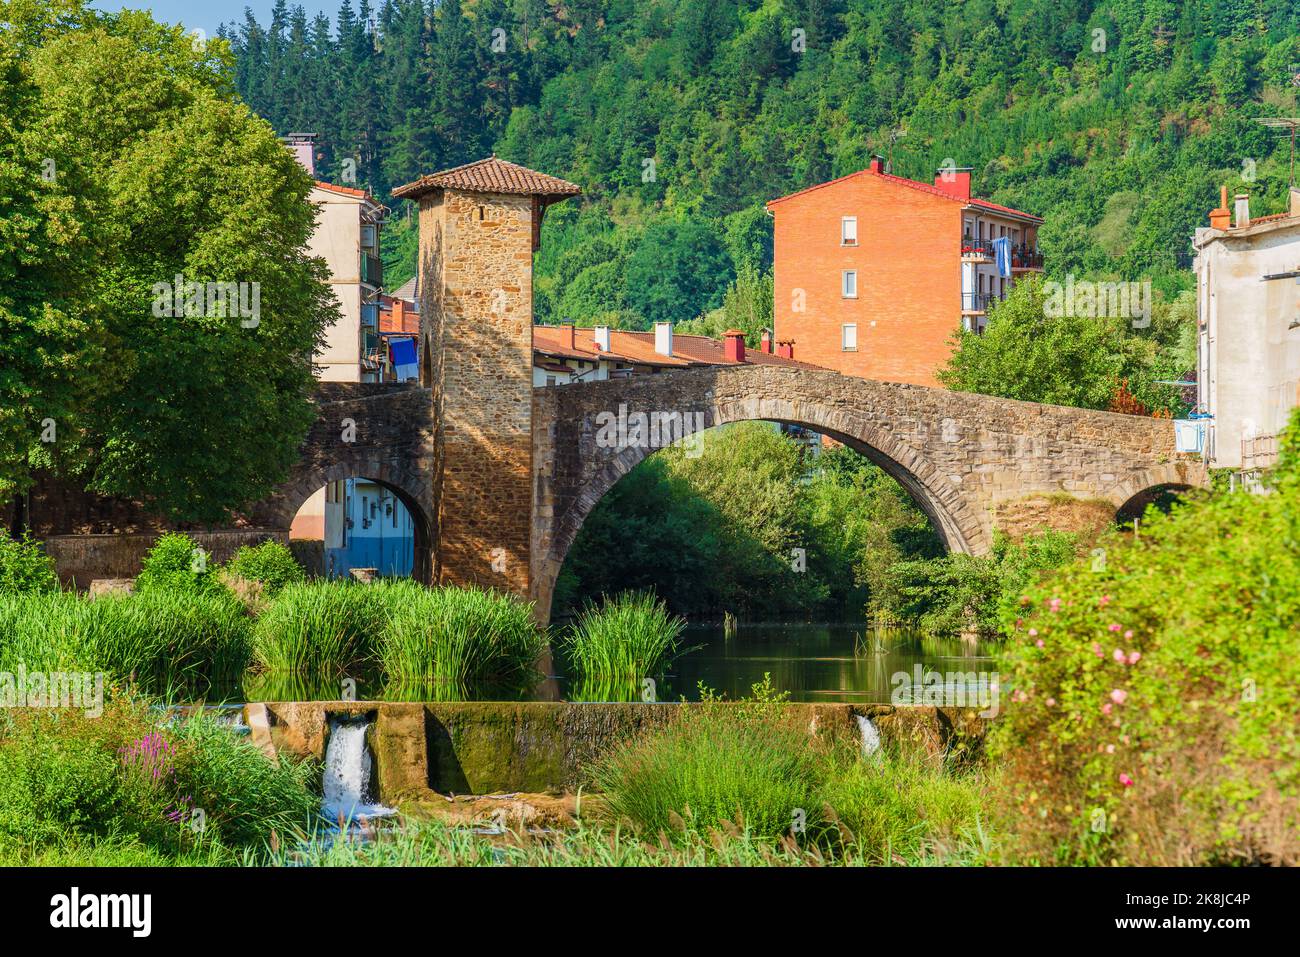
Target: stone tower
479 227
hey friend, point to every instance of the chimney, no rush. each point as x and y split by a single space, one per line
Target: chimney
1242 203
1219 218
785 348
954 182
664 338
765 342
601 335
877 164
733 345
566 335
303 148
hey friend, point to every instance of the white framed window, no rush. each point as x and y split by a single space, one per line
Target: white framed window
849 284
849 337
848 230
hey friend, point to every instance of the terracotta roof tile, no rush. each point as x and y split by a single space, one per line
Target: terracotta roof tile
912 184
490 175
639 348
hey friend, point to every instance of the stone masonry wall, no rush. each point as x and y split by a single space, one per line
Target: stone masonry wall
481 329
958 454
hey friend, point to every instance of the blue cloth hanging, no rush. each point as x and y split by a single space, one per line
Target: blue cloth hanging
1002 256
404 361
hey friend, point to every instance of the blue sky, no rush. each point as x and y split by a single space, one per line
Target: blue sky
207 15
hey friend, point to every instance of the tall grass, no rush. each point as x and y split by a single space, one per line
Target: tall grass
167 641
460 640
615 646
319 628
719 766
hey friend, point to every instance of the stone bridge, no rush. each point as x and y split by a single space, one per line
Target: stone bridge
958 454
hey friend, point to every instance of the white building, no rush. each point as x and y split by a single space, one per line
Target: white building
1248 289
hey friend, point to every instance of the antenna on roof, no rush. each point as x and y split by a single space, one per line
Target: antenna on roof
896 134
1284 125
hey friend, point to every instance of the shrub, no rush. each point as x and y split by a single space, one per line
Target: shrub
320 627
460 641
719 765
1155 692
121 779
177 563
905 806
24 566
166 640
956 593
615 646
270 563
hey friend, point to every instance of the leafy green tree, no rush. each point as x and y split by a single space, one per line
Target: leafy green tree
678 270
133 163
1032 352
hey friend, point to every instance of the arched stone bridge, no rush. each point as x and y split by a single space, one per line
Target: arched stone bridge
958 454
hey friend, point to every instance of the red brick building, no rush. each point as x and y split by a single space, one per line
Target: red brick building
874 272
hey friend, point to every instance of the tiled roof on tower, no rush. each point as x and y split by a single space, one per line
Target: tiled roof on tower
491 175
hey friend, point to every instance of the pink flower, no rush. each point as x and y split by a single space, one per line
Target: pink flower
1124 738
1033 632
1129 633
1055 604
1114 626
1134 657
1125 780
1110 749
1104 601
1096 650
1118 695
1039 643
1118 655
1051 702
1105 709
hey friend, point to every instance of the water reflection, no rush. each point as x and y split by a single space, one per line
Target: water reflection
818 662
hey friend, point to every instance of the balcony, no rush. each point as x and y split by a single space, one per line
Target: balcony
976 250
1259 452
372 270
975 303
1025 259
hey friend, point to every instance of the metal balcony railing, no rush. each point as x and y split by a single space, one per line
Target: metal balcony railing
976 248
1026 257
1259 451
372 270
975 301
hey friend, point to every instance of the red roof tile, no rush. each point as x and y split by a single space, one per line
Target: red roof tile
490 175
639 348
912 184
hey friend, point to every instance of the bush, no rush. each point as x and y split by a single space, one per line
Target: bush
719 765
957 593
166 640
177 563
270 563
123 780
461 641
320 628
613 647
1155 694
24 566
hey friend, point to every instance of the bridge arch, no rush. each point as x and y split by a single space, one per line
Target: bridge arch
954 520
960 456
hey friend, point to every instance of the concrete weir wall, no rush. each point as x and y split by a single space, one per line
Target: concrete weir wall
494 747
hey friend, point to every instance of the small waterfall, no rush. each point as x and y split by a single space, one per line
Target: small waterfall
346 783
869 733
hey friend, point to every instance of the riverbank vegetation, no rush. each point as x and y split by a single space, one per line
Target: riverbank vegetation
611 649
1155 691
